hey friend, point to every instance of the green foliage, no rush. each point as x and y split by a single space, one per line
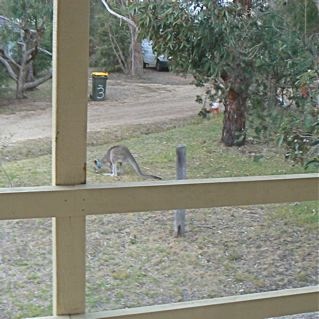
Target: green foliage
29 12
285 105
109 38
300 133
28 15
265 56
28 26
206 40
303 16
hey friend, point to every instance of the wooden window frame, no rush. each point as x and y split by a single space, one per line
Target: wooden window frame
69 200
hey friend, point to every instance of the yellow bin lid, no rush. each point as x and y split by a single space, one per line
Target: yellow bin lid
100 73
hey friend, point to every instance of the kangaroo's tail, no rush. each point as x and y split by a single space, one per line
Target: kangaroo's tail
139 172
151 176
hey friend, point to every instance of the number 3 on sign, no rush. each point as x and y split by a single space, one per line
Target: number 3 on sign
100 91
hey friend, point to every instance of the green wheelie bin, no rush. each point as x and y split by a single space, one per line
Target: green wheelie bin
99 80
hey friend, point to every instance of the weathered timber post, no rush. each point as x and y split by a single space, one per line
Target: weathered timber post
69 118
179 221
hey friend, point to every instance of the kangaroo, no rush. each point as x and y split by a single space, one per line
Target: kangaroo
119 154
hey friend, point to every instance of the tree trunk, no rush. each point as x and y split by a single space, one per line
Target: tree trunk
132 49
21 81
30 72
32 85
137 66
21 70
234 129
19 90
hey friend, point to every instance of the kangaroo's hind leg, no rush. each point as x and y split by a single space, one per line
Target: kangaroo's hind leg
114 169
119 168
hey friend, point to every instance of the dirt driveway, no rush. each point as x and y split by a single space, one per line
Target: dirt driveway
154 98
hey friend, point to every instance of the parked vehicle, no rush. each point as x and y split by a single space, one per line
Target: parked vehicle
151 59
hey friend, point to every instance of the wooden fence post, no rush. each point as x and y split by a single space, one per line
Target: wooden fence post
69 122
179 220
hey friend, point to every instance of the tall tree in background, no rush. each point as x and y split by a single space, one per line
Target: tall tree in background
244 47
213 42
117 45
302 14
26 25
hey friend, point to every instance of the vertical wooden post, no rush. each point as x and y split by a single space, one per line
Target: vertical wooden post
179 220
69 122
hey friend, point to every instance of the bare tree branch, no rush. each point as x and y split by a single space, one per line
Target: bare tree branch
133 31
45 51
21 69
9 59
117 51
129 21
31 85
9 68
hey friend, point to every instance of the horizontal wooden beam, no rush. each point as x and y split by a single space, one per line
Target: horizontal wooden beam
252 306
82 200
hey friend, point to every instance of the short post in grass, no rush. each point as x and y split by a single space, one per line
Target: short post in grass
179 220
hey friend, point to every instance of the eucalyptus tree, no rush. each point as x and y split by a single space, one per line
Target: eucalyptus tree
115 36
25 37
246 48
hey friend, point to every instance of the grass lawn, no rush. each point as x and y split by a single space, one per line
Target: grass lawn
135 260
156 153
